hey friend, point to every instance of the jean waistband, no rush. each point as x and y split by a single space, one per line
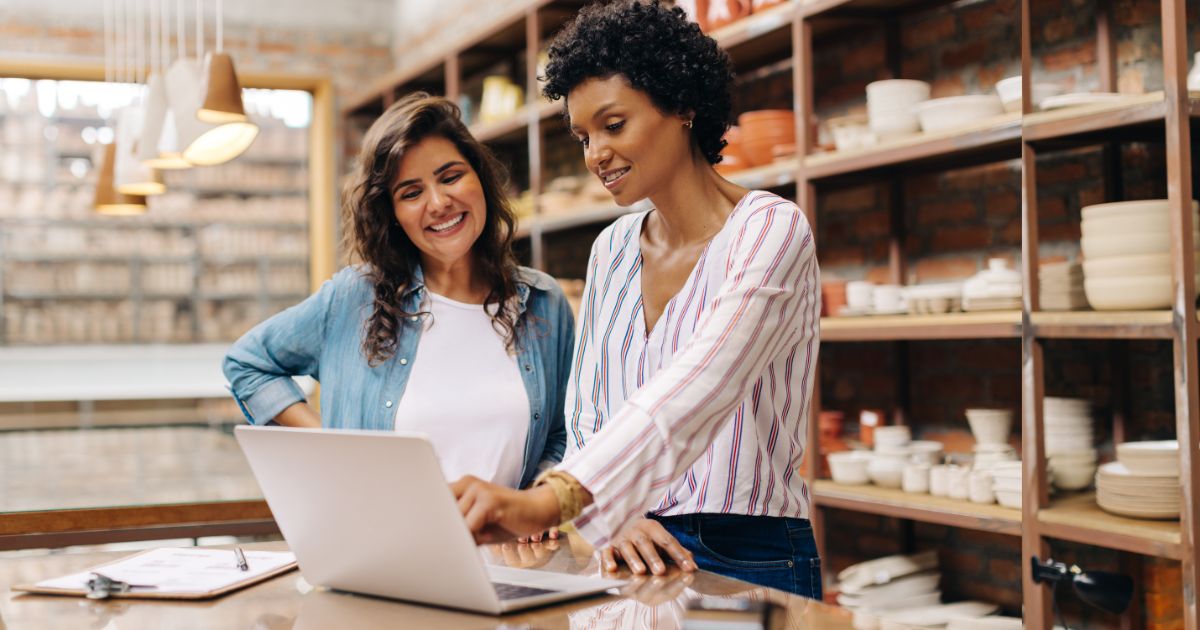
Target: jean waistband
691 522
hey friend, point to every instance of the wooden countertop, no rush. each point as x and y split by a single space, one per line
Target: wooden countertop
289 602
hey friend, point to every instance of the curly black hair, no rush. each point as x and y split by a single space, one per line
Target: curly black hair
659 51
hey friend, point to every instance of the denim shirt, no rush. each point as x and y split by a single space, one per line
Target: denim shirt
322 337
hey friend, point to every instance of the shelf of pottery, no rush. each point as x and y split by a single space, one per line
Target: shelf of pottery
903 591
225 247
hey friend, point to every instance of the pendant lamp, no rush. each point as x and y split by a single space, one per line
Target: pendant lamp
157 147
130 176
225 136
107 200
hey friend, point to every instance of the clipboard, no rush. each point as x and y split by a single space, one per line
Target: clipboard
224 581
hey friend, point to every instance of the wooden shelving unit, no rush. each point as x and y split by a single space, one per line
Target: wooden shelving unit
1077 518
784 38
918 507
983 325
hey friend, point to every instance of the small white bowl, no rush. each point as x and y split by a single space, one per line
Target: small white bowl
952 112
1009 91
895 435
1134 244
926 451
990 426
1008 499
1121 294
886 472
849 468
1073 477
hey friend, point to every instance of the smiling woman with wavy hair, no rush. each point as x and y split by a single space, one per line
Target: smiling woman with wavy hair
436 307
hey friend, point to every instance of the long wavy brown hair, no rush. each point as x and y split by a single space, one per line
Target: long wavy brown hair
391 259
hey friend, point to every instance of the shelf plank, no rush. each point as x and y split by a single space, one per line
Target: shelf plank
1102 324
1077 518
1071 121
918 507
997 138
778 173
756 25
987 324
875 8
510 129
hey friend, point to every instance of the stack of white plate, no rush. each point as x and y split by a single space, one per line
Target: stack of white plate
1127 251
1120 491
1006 483
1060 287
1068 424
917 589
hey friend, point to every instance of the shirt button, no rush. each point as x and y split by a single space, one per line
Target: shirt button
403 361
388 404
413 318
528 368
537 416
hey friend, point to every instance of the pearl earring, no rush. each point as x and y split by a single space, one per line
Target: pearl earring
687 124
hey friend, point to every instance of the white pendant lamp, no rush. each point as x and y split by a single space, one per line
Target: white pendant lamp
158 125
131 177
107 200
206 143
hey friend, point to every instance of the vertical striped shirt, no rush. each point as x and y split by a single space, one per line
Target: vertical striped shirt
706 412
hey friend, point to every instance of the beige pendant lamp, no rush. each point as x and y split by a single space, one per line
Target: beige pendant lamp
158 145
106 199
211 121
130 176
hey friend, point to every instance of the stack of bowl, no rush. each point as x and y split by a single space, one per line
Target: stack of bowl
1006 483
892 453
733 155
763 130
1143 482
1127 254
890 107
1069 437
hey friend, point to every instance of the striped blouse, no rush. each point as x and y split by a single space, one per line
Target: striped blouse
706 412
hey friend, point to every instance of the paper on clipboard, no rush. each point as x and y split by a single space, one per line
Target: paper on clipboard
180 571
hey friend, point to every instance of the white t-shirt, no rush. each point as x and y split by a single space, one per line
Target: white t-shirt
465 392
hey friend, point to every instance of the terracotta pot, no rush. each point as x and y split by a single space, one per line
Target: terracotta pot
723 12
833 297
868 420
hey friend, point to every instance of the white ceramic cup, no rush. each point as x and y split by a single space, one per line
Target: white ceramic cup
916 479
859 294
939 480
959 486
980 487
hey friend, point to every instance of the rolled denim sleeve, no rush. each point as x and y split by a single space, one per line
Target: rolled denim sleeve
261 364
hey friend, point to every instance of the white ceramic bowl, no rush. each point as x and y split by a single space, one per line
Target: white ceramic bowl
851 132
1158 458
1119 294
886 472
1009 91
940 114
1139 208
850 467
893 124
890 106
1130 266
926 451
1009 499
895 94
896 435
1135 244
1151 223
1073 476
990 426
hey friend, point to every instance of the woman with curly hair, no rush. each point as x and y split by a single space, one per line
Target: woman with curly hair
438 330
692 379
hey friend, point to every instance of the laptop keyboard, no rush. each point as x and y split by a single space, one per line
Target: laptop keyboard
515 591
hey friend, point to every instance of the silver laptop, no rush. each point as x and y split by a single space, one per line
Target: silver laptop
370 512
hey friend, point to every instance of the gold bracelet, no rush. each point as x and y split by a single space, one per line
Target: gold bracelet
567 490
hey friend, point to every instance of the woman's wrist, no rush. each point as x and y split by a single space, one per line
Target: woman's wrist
569 495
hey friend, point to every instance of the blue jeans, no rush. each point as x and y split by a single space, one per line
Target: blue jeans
771 551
